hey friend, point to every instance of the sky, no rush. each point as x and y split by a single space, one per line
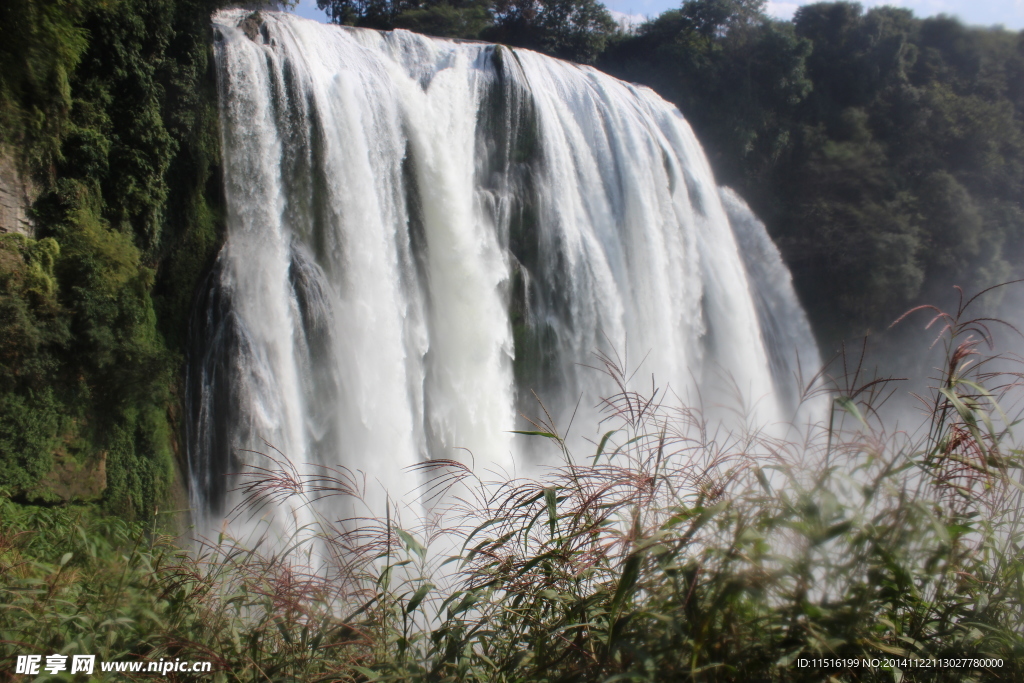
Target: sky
1009 13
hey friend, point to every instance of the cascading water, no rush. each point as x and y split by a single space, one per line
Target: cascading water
785 330
424 232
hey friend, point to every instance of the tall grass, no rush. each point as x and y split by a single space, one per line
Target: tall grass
673 551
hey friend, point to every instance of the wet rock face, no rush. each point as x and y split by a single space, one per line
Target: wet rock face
16 196
252 25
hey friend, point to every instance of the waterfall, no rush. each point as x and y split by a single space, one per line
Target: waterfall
785 330
424 234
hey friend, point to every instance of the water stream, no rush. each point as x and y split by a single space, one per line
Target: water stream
424 234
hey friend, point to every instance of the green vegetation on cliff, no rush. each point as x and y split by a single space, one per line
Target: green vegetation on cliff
111 107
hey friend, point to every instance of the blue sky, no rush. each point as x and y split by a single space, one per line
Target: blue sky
1009 13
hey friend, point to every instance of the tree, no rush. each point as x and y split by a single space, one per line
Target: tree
379 14
578 30
737 75
718 18
465 20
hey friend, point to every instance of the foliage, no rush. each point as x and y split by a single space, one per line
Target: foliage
76 582
28 411
41 43
27 430
577 30
112 107
446 20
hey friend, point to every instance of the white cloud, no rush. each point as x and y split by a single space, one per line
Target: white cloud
782 10
627 22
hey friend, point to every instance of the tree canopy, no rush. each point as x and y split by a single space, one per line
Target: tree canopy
578 30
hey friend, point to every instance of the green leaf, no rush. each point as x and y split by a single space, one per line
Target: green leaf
547 435
630 574
467 601
417 597
552 504
603 443
763 480
785 660
411 543
847 404
370 674
836 530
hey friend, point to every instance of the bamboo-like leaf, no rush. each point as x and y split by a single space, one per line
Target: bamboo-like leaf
552 505
411 543
630 574
603 443
417 597
847 404
370 674
547 435
888 648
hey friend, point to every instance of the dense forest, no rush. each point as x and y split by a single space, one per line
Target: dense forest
111 108
885 152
